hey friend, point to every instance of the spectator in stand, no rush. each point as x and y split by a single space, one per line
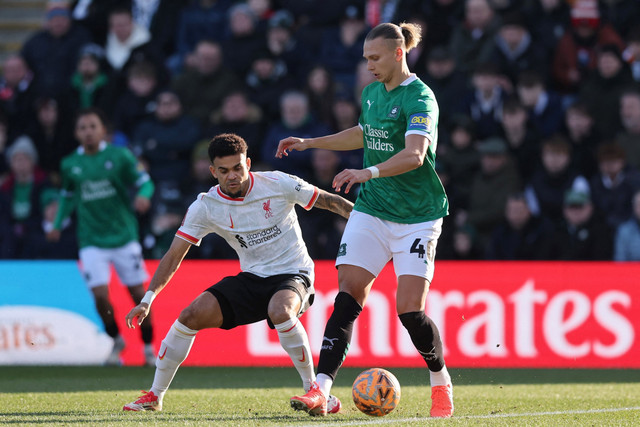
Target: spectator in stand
16 94
631 53
448 83
521 236
461 160
52 133
582 235
341 47
601 91
515 50
284 45
20 199
523 140
548 21
544 106
627 237
266 81
164 144
575 53
473 42
138 102
199 20
296 120
320 88
629 137
203 88
89 84
240 116
580 130
483 102
51 53
497 178
124 36
243 41
613 187
553 178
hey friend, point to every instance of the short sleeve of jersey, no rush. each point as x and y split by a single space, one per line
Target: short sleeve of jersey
422 113
134 170
194 225
297 190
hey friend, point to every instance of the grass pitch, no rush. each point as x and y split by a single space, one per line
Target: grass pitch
260 397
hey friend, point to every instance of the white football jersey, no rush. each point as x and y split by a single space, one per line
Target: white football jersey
262 227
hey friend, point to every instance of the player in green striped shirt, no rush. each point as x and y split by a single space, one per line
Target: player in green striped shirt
398 213
96 180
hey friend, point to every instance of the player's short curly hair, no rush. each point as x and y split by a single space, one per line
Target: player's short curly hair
226 144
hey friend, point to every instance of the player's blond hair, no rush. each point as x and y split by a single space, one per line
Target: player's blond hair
405 34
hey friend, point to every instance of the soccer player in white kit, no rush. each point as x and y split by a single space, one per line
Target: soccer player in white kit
254 212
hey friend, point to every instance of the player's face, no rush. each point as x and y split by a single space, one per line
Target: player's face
232 173
90 132
383 59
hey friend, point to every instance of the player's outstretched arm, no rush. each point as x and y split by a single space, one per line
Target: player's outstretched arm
166 269
348 139
334 203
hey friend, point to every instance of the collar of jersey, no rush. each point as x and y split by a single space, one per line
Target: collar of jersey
236 199
102 146
409 80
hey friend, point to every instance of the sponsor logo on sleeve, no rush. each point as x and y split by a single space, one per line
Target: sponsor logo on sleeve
421 122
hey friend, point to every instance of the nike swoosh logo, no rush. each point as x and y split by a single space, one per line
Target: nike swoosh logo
304 356
231 219
422 100
163 353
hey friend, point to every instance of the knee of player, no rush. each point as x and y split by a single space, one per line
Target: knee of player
281 314
189 317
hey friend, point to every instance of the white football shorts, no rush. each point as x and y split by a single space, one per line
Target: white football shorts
370 243
127 260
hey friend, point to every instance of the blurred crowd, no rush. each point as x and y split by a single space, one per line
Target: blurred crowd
539 131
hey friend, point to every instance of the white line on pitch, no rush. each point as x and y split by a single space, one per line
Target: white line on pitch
476 417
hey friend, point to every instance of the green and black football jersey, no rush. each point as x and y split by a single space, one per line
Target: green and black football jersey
386 118
98 187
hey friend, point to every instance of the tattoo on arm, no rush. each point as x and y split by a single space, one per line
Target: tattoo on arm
334 203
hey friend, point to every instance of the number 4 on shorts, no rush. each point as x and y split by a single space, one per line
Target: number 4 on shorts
417 248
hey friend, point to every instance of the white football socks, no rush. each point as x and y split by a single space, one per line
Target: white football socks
441 377
173 350
325 382
294 340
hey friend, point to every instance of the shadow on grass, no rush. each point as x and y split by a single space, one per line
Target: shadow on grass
69 418
23 379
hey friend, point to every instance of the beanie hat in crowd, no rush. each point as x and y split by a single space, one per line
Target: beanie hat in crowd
585 13
23 144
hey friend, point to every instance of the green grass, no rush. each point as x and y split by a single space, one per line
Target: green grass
73 396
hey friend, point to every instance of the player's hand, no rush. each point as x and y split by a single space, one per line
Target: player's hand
350 177
141 311
141 204
53 235
288 144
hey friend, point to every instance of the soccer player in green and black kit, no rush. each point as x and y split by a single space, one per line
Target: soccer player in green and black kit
96 180
398 213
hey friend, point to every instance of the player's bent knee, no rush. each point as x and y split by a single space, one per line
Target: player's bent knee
203 312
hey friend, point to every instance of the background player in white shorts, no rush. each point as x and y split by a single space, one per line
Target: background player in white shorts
254 213
398 213
96 180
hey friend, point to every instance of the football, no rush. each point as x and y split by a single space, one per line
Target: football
376 392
